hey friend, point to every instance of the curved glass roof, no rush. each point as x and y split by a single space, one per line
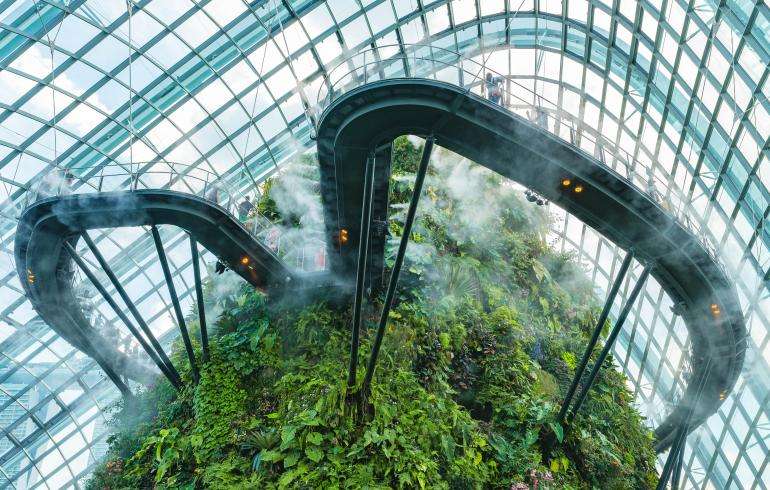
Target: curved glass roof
231 86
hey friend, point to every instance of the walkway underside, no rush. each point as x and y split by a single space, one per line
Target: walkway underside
47 271
370 117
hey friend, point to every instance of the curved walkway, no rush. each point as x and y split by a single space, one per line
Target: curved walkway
47 271
369 117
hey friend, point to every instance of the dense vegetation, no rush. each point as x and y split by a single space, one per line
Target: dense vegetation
487 328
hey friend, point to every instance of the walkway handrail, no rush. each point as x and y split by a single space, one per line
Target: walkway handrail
188 179
426 61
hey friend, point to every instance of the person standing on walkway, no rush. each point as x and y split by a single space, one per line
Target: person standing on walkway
493 86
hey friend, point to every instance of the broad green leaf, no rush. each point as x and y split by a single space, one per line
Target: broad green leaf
291 459
315 438
558 430
314 454
271 456
287 434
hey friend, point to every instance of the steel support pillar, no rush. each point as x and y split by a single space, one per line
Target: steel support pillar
677 475
119 312
595 336
132 308
610 342
672 459
393 281
673 465
363 247
199 298
96 354
175 302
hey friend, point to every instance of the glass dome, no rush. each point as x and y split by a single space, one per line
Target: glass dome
234 89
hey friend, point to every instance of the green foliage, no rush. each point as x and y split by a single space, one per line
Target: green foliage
266 205
482 343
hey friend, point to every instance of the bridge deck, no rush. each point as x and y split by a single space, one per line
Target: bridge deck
370 116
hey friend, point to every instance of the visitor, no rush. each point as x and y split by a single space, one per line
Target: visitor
220 267
213 194
539 116
493 86
48 185
245 208
67 184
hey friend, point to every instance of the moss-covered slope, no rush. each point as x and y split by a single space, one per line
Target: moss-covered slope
482 342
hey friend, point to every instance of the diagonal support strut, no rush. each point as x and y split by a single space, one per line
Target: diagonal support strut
175 301
199 297
132 308
119 312
595 336
610 342
363 247
395 273
673 465
97 355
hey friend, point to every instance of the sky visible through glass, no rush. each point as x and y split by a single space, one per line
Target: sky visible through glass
231 87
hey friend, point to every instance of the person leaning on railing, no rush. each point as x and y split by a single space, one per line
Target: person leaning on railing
245 209
493 88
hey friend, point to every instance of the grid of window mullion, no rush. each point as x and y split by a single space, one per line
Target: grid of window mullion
741 132
168 30
712 122
648 329
727 431
20 365
52 396
751 432
122 66
609 51
656 59
48 428
71 58
103 387
36 16
68 461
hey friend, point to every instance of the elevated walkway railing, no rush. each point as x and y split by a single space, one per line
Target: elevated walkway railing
427 61
304 252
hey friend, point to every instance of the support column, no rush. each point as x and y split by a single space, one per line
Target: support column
363 247
95 353
132 308
199 297
175 302
103 291
673 458
610 342
394 275
595 336
677 475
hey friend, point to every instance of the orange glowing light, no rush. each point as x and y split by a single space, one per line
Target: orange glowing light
715 309
343 235
566 182
722 395
578 189
244 260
